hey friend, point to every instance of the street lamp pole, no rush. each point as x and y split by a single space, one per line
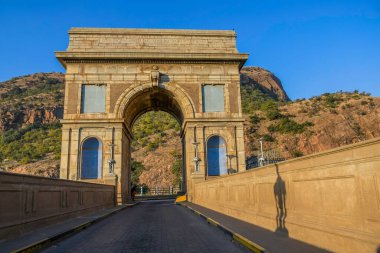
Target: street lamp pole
196 158
261 159
111 162
230 169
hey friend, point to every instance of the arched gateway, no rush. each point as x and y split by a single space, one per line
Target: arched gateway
115 75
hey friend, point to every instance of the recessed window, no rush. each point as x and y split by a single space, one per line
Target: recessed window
91 158
213 98
93 98
216 156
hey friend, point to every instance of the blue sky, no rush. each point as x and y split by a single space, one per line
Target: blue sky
312 46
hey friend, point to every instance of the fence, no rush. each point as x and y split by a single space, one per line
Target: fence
157 191
268 157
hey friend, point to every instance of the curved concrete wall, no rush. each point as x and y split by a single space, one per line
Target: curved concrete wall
27 202
329 199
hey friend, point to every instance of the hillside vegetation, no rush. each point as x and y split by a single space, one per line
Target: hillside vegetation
30 107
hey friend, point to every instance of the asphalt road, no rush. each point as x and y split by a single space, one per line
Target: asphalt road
154 226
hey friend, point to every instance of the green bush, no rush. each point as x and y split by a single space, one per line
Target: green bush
137 169
255 119
151 123
296 153
271 110
177 167
289 126
252 98
267 137
31 143
153 145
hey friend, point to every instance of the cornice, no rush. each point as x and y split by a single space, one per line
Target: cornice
154 57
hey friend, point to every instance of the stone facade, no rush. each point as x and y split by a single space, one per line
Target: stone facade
143 70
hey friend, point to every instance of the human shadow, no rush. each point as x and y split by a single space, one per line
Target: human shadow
279 190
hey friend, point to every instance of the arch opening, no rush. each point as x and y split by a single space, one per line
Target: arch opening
216 156
156 152
152 99
91 159
154 117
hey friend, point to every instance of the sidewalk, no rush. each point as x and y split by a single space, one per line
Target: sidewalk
41 237
270 241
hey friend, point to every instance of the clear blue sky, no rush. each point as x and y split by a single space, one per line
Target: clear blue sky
312 46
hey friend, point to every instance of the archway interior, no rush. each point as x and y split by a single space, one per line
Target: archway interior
152 99
154 118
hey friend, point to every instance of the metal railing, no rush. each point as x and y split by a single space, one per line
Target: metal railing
157 191
267 157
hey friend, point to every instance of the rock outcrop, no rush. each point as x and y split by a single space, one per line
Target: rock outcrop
264 80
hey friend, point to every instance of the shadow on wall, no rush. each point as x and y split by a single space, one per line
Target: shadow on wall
279 190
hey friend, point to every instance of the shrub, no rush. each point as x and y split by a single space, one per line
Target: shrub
296 153
252 98
137 169
153 145
255 119
289 126
267 137
31 143
271 110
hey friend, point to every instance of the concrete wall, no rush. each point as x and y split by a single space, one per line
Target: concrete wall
329 199
27 202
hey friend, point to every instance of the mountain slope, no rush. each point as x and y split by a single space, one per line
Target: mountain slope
317 124
30 107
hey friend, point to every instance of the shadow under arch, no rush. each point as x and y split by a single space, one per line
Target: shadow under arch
279 190
141 98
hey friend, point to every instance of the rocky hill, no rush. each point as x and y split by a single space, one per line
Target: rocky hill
32 99
265 81
30 107
312 125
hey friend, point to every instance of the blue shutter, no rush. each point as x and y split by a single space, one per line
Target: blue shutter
216 156
213 98
91 159
93 98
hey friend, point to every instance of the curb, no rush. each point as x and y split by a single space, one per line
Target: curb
44 242
254 247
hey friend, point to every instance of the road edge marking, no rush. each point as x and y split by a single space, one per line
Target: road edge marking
254 247
44 242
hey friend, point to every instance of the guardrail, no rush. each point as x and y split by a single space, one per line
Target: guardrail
157 191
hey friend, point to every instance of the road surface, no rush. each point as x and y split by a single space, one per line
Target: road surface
152 226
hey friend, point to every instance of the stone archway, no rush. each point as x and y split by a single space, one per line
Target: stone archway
183 100
115 75
135 102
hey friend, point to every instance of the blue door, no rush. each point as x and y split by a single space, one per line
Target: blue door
91 158
216 156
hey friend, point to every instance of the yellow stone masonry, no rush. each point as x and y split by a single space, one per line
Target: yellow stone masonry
126 61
